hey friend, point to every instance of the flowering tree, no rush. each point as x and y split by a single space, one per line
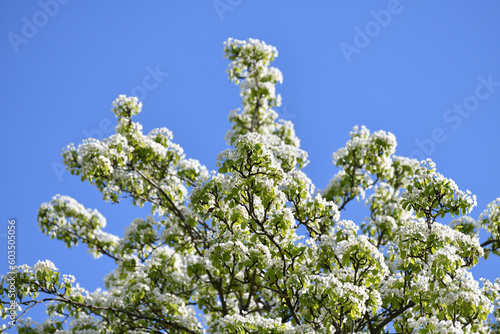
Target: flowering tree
254 245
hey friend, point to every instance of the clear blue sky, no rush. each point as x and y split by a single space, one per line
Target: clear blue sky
429 72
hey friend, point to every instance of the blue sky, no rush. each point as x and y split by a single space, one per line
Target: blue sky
429 72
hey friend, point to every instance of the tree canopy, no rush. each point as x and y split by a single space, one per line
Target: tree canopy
255 246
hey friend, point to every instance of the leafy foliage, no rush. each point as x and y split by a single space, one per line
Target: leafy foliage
254 245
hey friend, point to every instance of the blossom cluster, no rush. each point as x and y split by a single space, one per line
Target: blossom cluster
431 194
151 168
364 155
67 220
250 69
490 220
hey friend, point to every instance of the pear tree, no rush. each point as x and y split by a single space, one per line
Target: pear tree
255 247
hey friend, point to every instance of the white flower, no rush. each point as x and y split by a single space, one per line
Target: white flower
42 265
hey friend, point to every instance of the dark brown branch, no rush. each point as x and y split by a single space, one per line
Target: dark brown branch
393 316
